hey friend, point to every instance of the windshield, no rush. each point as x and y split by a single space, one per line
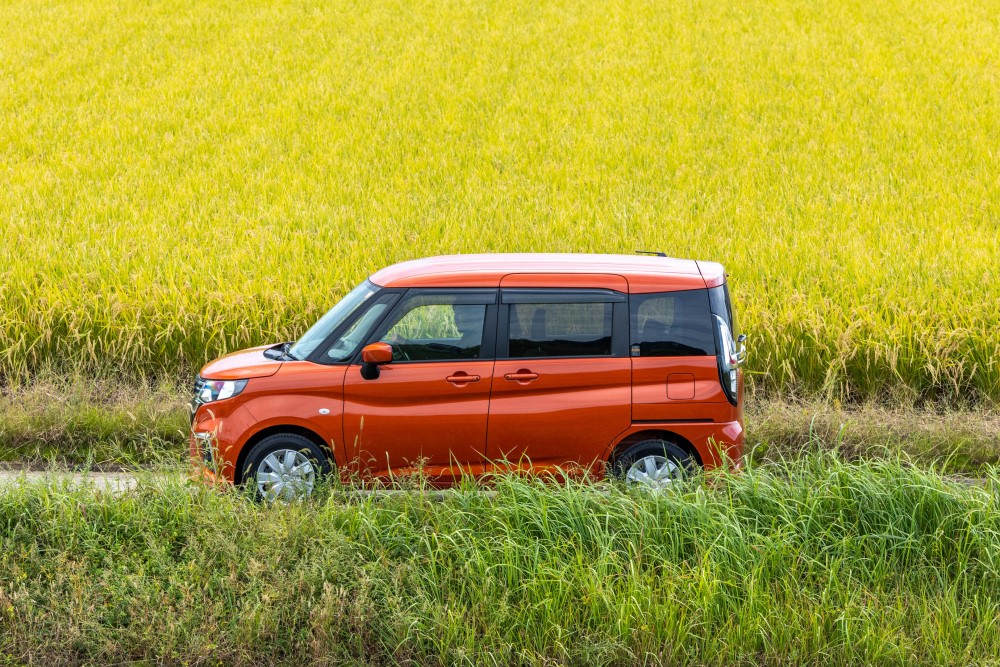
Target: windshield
327 324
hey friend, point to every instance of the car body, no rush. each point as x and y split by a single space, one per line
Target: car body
460 364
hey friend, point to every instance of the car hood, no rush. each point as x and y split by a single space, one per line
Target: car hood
242 365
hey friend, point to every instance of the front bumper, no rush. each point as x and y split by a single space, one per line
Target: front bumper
202 447
217 435
205 475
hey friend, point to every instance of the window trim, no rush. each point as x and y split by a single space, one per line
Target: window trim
467 297
563 295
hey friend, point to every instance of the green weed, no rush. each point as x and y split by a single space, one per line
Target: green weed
819 561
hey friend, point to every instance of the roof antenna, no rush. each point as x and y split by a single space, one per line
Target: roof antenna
655 253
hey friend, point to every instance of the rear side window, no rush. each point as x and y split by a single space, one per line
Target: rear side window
560 329
671 324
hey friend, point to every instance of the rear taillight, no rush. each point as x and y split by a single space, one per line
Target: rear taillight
730 359
731 351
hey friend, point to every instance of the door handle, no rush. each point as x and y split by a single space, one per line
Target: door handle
461 379
524 376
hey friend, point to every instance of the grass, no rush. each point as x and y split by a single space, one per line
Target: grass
819 561
75 422
68 420
954 441
182 179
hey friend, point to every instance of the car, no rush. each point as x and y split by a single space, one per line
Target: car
468 364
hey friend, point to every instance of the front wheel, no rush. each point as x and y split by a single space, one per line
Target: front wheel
653 464
286 467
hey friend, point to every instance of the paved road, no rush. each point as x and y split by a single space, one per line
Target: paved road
118 482
110 481
122 481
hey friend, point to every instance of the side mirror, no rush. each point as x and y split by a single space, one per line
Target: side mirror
373 356
377 353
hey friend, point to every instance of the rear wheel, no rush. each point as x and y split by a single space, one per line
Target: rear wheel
285 467
653 464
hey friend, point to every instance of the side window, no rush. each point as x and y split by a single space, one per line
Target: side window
671 324
559 329
431 329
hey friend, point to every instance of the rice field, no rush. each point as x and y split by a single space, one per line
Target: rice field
178 179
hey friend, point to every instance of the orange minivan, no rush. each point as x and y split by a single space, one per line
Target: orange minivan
466 364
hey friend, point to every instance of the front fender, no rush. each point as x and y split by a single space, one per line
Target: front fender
318 414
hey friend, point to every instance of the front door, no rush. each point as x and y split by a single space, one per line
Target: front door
429 406
562 380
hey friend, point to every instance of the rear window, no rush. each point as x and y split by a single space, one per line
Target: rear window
560 329
671 324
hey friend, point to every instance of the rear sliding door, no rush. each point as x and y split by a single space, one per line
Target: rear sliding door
561 390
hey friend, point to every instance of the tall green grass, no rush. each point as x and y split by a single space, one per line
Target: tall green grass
180 179
816 562
76 422
82 423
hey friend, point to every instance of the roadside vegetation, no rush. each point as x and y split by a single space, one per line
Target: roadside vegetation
817 561
183 179
75 422
178 180
93 425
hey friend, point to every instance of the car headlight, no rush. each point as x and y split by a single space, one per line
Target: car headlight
216 390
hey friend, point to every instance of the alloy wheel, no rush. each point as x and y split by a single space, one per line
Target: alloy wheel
285 474
653 472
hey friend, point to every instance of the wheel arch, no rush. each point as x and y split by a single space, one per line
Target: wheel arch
655 434
276 430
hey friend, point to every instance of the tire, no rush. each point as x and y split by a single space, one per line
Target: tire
285 466
653 463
